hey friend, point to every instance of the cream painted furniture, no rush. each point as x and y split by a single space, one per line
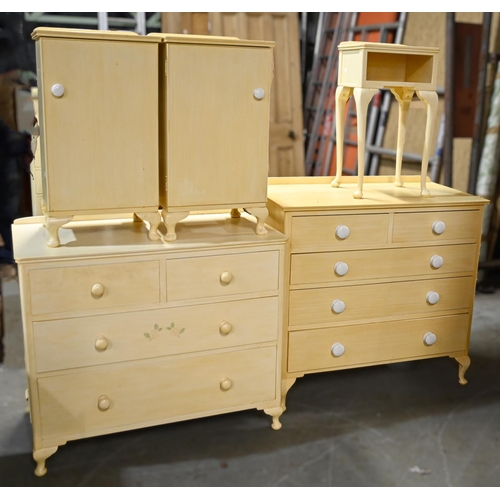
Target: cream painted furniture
98 106
122 333
214 129
383 279
366 67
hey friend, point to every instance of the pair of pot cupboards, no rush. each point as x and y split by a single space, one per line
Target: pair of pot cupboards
136 123
122 333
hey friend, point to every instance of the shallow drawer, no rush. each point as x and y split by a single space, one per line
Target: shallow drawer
155 391
338 232
376 343
66 289
378 301
384 263
96 340
222 275
422 227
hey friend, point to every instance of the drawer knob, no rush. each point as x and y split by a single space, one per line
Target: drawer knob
103 403
226 384
337 349
429 338
259 93
101 343
226 277
97 290
57 90
437 261
225 328
341 268
338 306
438 227
342 232
432 297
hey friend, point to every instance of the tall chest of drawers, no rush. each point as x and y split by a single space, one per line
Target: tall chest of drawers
122 333
387 278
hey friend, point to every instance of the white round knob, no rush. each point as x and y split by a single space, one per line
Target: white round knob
437 261
101 343
438 227
338 306
103 403
97 290
225 328
259 93
432 297
341 268
342 232
226 277
429 338
337 349
225 384
57 90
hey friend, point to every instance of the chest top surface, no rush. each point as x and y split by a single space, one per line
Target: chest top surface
316 194
124 237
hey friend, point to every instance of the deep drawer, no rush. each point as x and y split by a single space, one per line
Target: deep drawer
376 343
96 340
124 394
379 301
384 263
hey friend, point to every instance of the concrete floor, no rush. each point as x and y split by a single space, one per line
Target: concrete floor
404 425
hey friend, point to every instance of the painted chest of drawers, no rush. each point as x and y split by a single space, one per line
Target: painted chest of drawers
122 333
383 279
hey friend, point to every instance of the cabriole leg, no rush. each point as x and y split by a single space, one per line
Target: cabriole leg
154 219
464 363
40 456
261 214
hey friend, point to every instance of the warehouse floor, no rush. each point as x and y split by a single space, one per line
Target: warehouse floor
402 425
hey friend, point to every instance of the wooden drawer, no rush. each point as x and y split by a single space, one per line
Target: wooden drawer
383 263
376 343
378 301
318 232
154 391
67 289
417 227
222 275
96 340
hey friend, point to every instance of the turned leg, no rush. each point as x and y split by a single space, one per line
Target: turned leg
362 98
464 363
276 414
171 219
53 224
430 99
235 213
154 219
40 456
261 213
342 95
404 97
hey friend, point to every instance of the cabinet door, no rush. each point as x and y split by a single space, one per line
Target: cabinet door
217 131
100 137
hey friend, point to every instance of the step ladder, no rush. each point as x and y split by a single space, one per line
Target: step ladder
320 98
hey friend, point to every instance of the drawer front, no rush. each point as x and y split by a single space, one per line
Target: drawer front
222 275
328 232
384 263
384 300
375 343
96 340
68 289
423 227
154 391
